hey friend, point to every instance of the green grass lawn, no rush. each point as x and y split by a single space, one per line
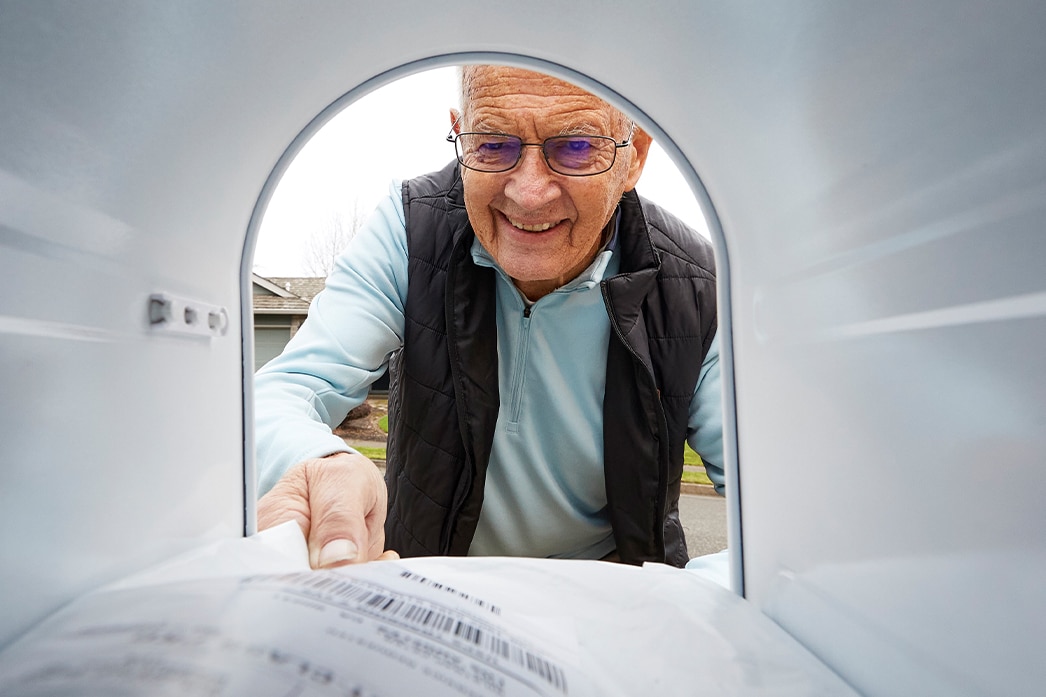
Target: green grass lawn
372 453
375 453
696 478
692 458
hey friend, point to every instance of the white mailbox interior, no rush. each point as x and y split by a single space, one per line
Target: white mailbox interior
876 178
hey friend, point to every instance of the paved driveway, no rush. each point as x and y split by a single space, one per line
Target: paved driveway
704 523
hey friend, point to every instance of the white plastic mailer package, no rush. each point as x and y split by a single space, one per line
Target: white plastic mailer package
248 617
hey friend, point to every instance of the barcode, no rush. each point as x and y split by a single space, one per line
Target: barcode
410 575
509 651
430 618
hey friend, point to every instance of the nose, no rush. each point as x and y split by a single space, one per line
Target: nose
531 183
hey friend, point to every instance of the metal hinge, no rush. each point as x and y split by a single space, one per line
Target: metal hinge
174 315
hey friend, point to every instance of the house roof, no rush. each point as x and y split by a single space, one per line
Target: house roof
284 295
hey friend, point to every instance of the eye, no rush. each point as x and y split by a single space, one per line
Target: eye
570 146
489 151
571 154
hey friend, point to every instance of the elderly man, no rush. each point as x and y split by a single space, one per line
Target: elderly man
551 338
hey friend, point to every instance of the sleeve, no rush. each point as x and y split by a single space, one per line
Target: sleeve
354 325
705 432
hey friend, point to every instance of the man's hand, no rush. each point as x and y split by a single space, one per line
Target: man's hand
339 501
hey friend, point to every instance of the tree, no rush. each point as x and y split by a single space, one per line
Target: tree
327 242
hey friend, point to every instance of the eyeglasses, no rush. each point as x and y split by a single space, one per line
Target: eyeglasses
573 156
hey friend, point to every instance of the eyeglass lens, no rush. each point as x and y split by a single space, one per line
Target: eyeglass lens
576 155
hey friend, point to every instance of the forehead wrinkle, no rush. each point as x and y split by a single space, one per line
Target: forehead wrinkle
504 80
527 121
527 103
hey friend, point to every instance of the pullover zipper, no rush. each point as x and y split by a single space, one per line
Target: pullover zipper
519 372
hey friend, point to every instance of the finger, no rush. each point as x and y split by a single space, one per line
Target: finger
388 555
347 499
376 522
287 500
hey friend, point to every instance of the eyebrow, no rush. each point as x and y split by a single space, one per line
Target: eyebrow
582 129
483 126
578 129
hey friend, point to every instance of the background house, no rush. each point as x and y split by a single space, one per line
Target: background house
280 306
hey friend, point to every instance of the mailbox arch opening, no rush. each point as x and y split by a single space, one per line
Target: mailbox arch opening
666 148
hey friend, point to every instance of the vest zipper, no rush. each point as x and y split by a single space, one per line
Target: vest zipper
662 424
460 494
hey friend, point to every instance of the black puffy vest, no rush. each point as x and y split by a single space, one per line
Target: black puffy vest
443 399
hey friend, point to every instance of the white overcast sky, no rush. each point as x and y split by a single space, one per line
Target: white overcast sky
395 132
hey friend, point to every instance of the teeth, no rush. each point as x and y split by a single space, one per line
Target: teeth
531 228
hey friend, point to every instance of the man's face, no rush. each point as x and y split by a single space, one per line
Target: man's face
543 228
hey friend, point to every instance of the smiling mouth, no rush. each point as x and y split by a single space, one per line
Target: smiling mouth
539 227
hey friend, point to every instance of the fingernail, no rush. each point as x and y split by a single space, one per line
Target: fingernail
337 551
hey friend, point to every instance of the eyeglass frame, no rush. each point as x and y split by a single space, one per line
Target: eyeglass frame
452 137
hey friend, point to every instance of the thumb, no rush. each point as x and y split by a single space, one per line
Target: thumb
347 499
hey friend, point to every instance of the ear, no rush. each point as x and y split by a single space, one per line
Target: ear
640 147
455 120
